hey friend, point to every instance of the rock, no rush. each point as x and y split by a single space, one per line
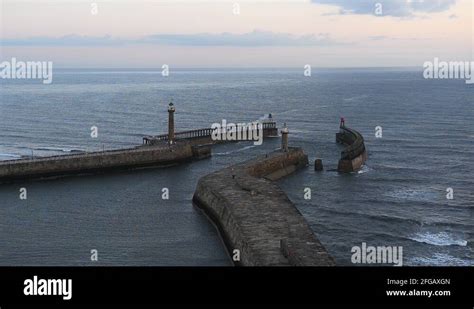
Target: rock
318 165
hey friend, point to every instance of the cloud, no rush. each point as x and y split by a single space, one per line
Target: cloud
67 40
255 38
379 38
398 8
391 38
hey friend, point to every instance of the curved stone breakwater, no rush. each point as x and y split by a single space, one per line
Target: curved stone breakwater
355 154
256 217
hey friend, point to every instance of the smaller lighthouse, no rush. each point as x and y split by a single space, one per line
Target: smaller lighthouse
284 138
171 111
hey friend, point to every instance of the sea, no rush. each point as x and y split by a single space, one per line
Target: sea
419 136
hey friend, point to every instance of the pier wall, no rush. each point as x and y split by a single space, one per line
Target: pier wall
355 154
98 161
256 217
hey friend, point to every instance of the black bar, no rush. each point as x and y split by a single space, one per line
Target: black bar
239 285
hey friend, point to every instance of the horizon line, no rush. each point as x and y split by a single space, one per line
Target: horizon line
239 67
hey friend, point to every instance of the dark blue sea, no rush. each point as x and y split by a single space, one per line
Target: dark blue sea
397 199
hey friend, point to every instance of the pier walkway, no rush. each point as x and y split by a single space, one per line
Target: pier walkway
204 135
256 218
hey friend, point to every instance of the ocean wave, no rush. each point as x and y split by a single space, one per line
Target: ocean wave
385 218
364 169
393 219
291 111
59 149
440 259
233 151
355 98
439 239
403 167
9 155
418 195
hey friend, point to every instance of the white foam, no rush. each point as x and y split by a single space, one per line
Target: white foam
54 149
364 169
440 259
9 155
439 239
355 98
238 150
419 195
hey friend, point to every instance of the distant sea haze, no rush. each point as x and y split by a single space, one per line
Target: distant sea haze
397 199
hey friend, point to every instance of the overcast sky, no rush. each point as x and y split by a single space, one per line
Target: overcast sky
197 33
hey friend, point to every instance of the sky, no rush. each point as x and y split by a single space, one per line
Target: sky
238 33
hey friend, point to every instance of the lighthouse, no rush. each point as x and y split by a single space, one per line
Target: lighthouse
284 138
171 111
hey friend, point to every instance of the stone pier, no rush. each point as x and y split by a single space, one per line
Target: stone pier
93 162
256 217
166 149
355 154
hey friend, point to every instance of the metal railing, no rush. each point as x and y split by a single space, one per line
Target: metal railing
197 133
